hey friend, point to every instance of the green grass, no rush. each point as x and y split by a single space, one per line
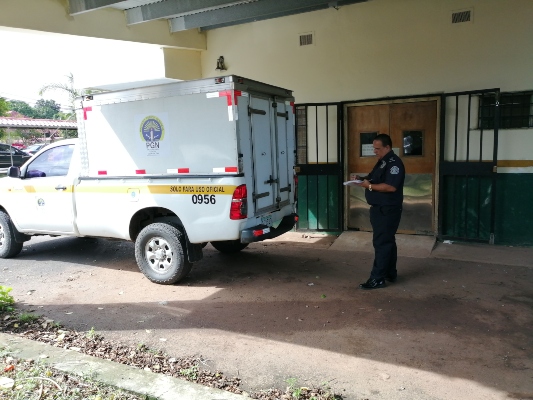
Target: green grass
25 318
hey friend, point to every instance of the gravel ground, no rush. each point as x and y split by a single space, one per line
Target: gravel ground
191 368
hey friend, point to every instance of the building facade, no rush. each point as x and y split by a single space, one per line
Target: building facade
450 81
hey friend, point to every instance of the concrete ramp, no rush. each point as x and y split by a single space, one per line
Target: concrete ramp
484 253
408 245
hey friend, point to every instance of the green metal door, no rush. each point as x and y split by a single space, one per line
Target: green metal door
467 169
319 167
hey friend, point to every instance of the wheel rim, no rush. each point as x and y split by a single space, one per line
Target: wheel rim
2 236
159 254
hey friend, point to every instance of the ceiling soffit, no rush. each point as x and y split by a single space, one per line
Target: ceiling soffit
205 14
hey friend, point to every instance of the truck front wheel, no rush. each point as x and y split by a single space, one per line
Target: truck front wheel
9 247
229 246
159 251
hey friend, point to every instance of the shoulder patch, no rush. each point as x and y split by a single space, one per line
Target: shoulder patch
395 170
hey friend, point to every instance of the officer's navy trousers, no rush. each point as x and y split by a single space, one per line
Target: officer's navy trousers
385 221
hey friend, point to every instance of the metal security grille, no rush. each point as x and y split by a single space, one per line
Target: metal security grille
516 110
319 167
467 169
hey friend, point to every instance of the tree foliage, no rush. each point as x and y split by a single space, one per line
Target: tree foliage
21 107
4 107
68 88
46 109
43 109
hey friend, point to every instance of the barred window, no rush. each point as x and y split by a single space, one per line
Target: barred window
301 135
516 110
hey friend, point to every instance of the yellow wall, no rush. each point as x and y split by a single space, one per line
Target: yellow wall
384 48
182 64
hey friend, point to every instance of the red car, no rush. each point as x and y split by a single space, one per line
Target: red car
18 145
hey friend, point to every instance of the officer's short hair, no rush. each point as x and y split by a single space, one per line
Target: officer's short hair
384 139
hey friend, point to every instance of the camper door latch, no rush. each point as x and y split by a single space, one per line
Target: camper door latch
255 111
260 195
283 115
271 181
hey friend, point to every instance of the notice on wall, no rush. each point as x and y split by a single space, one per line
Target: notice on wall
367 150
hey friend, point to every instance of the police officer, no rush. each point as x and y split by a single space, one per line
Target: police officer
384 193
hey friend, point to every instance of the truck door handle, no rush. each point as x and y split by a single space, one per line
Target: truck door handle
59 187
255 111
271 180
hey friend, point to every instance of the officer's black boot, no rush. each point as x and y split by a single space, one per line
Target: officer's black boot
373 284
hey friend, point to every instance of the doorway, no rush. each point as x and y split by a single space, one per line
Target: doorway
412 125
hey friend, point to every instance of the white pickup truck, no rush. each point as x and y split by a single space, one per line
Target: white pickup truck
170 167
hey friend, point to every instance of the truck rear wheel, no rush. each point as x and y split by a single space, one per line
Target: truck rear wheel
229 246
9 247
159 251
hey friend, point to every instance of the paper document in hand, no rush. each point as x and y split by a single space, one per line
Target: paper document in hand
353 183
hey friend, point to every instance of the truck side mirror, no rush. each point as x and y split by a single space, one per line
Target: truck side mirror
13 172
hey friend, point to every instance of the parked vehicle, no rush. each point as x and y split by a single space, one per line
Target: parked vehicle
169 167
18 145
34 148
10 155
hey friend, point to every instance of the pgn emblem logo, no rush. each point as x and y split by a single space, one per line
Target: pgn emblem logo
40 202
152 132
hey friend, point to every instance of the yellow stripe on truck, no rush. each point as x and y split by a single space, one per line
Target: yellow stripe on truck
161 189
42 189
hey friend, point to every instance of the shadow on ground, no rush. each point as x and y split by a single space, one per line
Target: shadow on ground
459 319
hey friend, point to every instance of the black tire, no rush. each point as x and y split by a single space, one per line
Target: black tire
229 246
9 247
160 255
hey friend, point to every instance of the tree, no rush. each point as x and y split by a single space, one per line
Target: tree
46 109
4 107
68 88
22 107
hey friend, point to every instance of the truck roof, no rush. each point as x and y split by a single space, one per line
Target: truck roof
206 85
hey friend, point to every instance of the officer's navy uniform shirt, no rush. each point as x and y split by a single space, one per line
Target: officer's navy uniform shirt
389 170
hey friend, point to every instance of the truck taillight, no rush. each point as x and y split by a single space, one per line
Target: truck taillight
239 204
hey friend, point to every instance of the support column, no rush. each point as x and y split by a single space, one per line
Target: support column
182 64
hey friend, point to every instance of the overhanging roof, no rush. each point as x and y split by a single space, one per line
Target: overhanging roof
28 123
205 14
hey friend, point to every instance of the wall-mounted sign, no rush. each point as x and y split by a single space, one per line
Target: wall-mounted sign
367 150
